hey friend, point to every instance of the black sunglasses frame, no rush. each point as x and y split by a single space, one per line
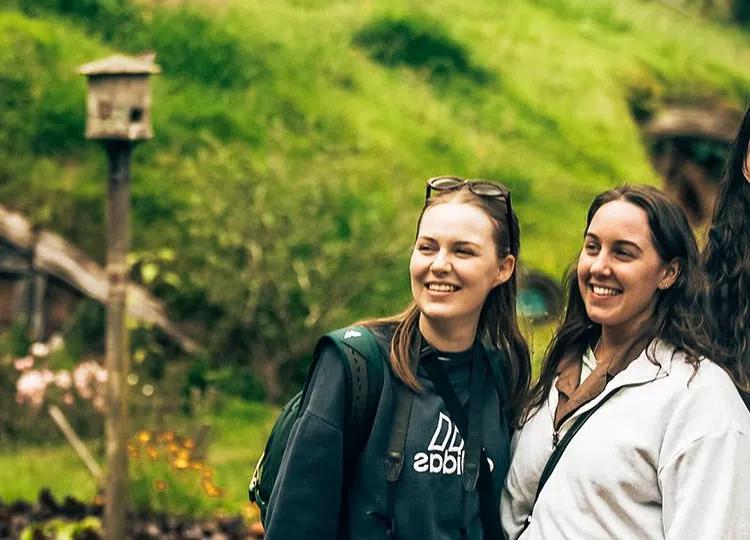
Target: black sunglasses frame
472 185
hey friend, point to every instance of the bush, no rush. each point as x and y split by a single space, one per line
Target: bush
419 43
267 250
110 19
191 46
165 476
90 527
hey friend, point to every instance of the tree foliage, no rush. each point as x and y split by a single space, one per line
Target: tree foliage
280 257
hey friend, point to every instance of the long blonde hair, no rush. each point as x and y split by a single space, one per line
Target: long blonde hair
498 326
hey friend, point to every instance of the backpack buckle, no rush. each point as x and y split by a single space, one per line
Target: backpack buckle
394 461
471 475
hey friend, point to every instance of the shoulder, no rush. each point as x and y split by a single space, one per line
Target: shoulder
705 379
383 332
355 351
702 401
354 336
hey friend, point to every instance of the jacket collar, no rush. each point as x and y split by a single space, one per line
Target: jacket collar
654 362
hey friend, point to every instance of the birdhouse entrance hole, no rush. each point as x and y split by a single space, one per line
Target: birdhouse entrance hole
136 115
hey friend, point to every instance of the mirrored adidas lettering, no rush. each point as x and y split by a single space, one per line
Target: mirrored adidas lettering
445 453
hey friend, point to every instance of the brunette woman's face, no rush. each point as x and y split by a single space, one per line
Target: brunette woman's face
746 169
454 265
619 269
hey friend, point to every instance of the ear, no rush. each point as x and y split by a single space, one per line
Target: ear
671 273
504 270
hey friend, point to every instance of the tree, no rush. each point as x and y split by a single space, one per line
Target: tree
281 258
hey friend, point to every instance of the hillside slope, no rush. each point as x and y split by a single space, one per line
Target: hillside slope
293 138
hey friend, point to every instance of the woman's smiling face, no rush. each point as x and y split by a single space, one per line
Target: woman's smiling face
620 270
455 265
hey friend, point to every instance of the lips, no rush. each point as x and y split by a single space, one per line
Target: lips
438 287
601 290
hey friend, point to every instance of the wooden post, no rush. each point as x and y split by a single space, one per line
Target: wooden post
37 314
80 448
117 348
118 113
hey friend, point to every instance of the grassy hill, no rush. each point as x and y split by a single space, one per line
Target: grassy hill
293 137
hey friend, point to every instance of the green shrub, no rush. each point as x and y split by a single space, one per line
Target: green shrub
59 119
189 45
418 42
110 19
60 529
267 249
165 476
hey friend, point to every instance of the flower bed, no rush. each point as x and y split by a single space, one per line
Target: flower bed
49 519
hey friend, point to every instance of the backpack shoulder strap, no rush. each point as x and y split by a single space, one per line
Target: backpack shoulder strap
363 369
497 361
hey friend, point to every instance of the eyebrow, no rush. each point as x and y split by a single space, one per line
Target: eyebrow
455 243
619 242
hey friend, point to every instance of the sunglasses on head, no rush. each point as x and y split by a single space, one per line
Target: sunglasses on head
477 187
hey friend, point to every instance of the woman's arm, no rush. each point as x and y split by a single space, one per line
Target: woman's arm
704 463
515 503
706 489
306 499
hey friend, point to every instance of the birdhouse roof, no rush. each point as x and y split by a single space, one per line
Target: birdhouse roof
120 64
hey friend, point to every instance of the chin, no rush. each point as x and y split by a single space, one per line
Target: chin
603 319
437 314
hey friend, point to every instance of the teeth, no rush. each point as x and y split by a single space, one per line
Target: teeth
442 287
605 291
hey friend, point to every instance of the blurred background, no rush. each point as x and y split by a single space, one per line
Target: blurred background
278 198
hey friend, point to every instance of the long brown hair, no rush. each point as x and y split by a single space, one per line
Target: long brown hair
680 316
727 263
498 327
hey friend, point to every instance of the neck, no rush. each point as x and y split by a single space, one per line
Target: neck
616 340
448 337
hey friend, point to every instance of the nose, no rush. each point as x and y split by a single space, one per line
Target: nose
441 263
600 264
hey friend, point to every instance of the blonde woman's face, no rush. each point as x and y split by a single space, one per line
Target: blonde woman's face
454 265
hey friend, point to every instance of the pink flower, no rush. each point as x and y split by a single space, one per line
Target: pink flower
22 364
39 350
88 379
32 385
56 342
63 380
101 375
99 403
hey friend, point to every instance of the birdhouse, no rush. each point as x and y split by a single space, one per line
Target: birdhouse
118 104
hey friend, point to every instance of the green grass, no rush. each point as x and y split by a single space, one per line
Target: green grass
24 471
238 436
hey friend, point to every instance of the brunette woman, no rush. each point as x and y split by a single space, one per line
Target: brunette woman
667 452
727 263
463 312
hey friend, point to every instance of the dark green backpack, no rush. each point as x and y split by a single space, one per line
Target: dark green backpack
363 364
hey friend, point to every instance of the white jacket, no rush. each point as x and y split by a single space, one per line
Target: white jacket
668 456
